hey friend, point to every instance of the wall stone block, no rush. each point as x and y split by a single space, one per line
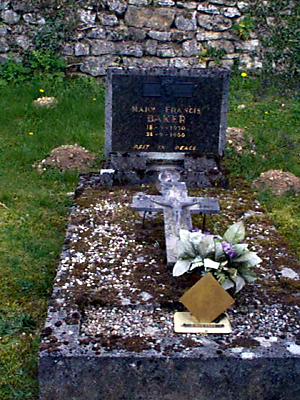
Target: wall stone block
243 6
164 3
139 2
117 34
216 23
130 49
23 42
224 2
231 12
3 30
117 6
222 44
96 66
10 17
190 5
108 19
34 19
4 47
186 21
4 4
208 8
249 45
67 49
181 36
167 51
204 35
151 47
160 36
86 16
101 47
154 18
190 48
136 34
97 33
82 49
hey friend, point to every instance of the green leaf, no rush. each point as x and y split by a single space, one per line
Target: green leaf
250 258
181 267
240 249
207 247
227 284
219 252
235 233
239 283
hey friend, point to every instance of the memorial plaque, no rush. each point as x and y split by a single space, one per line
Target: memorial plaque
166 110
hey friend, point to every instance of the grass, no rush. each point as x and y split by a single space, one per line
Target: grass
34 207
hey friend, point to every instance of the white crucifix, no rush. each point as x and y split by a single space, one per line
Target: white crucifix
177 207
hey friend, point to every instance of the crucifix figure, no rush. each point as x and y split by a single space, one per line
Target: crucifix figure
177 207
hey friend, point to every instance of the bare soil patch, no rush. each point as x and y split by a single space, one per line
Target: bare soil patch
279 182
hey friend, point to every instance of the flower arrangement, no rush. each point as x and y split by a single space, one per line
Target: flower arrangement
227 258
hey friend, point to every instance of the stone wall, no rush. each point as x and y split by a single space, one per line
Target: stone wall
175 33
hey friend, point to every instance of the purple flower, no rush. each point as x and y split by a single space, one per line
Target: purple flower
228 249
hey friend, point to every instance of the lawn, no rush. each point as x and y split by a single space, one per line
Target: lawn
34 207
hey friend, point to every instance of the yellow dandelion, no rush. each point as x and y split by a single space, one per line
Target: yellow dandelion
41 90
244 74
30 133
94 99
266 112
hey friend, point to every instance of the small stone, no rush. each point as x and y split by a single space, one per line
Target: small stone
108 19
10 17
34 19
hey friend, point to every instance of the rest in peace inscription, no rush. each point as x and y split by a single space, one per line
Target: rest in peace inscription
166 114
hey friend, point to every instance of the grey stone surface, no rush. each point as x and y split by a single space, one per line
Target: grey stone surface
117 6
181 36
151 47
160 19
208 8
87 17
4 4
231 12
34 19
130 49
190 48
4 47
101 47
97 33
23 41
97 66
222 44
186 21
224 2
10 17
216 23
108 19
165 3
160 36
3 30
167 51
137 34
82 49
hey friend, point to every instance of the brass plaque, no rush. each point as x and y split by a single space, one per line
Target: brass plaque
207 299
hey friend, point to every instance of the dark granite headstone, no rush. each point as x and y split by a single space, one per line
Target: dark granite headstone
166 111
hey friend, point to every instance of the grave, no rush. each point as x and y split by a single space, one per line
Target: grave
109 332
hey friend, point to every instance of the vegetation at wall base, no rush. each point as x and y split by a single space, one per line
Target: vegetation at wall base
34 207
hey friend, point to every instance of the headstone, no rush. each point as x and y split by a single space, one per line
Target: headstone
166 111
177 207
172 115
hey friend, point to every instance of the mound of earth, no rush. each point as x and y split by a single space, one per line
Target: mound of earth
67 157
279 182
236 139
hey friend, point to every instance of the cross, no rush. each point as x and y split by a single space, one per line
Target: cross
177 207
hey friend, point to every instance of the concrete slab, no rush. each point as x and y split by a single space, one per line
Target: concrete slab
109 330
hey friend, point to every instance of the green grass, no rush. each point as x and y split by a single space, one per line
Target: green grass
33 212
34 207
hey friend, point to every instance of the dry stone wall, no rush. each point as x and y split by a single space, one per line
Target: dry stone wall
175 33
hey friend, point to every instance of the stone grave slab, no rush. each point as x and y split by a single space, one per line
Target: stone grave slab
109 330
